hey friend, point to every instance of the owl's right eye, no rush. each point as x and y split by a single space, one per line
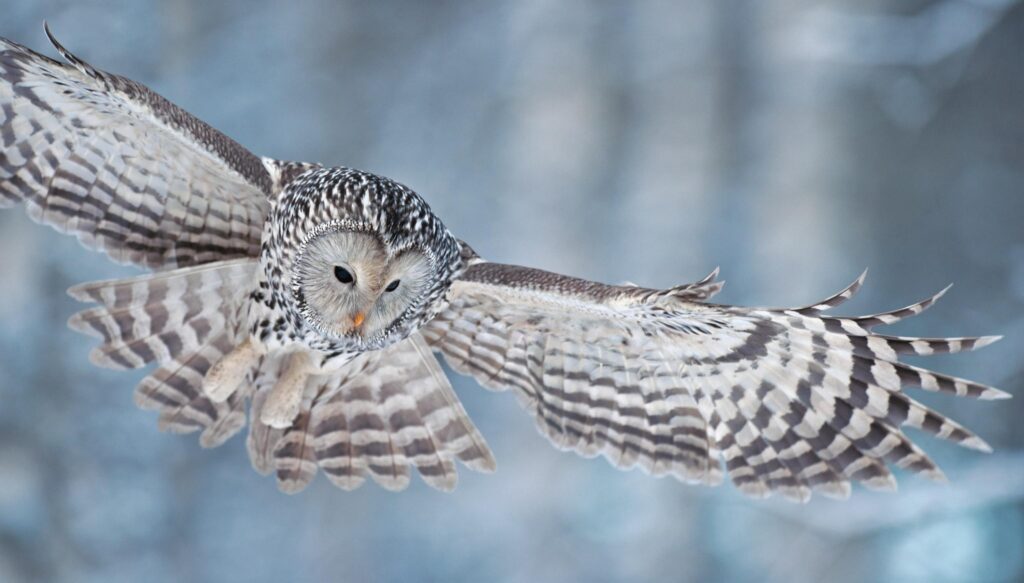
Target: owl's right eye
343 275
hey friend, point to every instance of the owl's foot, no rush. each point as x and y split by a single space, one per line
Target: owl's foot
227 374
285 399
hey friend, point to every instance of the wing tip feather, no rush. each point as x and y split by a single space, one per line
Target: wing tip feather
976 443
935 475
68 55
983 341
711 276
835 299
994 394
883 483
445 483
78 324
81 292
836 490
485 464
391 483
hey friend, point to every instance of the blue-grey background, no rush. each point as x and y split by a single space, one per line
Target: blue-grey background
791 142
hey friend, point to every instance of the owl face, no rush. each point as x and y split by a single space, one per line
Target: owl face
354 286
352 262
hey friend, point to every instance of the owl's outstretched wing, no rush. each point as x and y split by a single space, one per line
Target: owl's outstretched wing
379 415
129 173
792 400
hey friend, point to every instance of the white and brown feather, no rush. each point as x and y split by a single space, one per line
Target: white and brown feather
103 158
380 414
184 321
791 400
386 411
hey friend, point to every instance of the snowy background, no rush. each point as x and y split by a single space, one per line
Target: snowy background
791 142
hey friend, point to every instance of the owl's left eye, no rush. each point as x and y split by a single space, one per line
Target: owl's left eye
343 275
393 285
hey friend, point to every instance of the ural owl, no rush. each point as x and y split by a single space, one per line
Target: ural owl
315 297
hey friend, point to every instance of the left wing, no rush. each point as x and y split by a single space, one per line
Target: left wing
129 173
383 413
791 399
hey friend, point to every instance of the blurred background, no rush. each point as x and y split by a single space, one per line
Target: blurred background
793 143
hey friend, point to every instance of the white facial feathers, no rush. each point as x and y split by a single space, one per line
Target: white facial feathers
351 285
404 283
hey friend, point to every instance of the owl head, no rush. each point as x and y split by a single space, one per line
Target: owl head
352 284
360 261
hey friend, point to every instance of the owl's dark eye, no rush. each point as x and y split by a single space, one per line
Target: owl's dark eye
393 285
343 274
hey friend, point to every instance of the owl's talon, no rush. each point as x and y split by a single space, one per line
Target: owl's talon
285 399
223 378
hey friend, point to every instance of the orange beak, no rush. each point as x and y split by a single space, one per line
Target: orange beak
357 321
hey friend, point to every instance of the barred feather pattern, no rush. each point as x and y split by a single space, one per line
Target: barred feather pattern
106 159
386 411
185 321
380 414
791 400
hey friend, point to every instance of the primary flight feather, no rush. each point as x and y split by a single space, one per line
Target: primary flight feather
313 298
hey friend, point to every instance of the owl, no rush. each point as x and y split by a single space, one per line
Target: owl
312 300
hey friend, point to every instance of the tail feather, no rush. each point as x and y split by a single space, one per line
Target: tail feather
262 438
293 456
386 411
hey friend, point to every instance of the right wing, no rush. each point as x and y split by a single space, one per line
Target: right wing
108 160
792 400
